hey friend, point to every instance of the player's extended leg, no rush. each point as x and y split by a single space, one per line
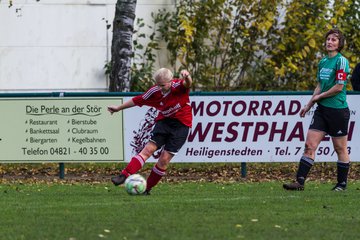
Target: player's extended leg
135 163
343 164
171 134
313 140
159 169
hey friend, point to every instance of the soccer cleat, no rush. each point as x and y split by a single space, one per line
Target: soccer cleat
294 186
338 188
147 192
120 179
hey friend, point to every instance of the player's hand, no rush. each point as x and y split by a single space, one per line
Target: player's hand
304 110
184 74
113 109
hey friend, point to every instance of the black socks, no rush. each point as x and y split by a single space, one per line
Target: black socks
342 173
306 163
304 168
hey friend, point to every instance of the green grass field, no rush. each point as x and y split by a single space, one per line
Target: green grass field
179 211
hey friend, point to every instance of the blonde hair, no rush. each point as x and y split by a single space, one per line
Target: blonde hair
163 74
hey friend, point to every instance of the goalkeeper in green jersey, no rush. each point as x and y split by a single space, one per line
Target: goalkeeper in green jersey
331 115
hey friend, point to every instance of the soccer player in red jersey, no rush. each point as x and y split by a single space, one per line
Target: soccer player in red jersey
170 97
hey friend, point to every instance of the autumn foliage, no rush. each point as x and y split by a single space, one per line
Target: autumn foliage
262 45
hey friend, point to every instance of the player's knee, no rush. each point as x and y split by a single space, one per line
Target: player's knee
309 149
164 159
163 163
340 150
148 150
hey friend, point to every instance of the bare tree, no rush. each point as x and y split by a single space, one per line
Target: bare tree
121 49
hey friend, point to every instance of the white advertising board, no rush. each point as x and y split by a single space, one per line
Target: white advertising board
60 130
243 129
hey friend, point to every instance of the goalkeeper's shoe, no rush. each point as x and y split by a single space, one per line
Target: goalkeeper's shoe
118 180
294 186
339 187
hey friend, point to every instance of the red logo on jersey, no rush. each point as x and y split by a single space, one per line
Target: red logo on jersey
341 75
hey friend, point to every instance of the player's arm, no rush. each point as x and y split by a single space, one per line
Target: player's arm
115 108
187 78
311 102
340 79
316 93
331 92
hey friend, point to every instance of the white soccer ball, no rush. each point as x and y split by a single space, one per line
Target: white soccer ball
135 184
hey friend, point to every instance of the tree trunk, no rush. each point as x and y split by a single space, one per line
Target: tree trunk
121 48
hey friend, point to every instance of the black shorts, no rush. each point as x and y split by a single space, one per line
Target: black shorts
333 121
170 133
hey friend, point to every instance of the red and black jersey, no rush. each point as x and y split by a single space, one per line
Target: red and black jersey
173 104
